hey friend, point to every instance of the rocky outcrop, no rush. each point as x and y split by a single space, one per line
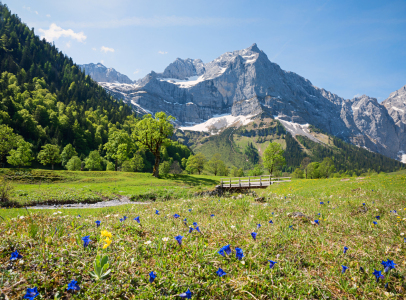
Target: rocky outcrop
100 73
246 83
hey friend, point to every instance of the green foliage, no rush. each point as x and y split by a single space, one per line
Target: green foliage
137 163
313 170
298 173
110 166
74 164
8 140
101 267
152 134
215 164
235 172
118 146
175 168
256 171
127 166
164 168
67 153
251 152
273 158
93 162
49 155
195 163
22 156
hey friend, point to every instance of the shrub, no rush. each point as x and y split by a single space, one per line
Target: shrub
74 164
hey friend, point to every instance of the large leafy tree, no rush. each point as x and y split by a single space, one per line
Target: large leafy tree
153 134
8 141
94 161
214 164
67 153
22 156
273 157
118 146
49 155
196 163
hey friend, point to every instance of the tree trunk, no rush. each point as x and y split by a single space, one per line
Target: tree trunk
116 164
156 166
52 167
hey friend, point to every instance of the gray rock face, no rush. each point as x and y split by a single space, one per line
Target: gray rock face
100 73
245 82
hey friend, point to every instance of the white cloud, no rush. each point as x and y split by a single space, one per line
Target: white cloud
48 15
68 44
102 61
162 52
94 49
55 32
137 71
106 49
36 12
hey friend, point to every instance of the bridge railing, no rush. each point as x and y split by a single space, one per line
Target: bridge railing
252 181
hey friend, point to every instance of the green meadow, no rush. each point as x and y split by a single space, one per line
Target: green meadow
309 257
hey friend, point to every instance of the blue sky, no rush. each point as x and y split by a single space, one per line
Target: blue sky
347 47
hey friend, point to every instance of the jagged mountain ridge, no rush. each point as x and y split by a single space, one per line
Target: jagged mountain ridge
246 83
100 73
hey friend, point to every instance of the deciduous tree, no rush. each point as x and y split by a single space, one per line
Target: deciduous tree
49 155
22 156
273 157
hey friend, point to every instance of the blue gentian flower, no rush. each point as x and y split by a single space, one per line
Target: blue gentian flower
318 214
272 213
79 216
176 216
271 222
227 249
291 226
15 255
239 253
361 269
321 202
185 221
197 229
375 223
178 238
378 217
97 223
220 272
344 269
73 286
363 204
190 209
212 215
272 263
317 222
194 224
328 202
190 229
221 252
31 293
125 218
188 294
345 249
137 219
394 211
86 240
404 240
258 226
121 220
152 276
254 235
388 265
157 212
386 285
378 275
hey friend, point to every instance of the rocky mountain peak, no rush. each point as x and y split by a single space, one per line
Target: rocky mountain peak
100 73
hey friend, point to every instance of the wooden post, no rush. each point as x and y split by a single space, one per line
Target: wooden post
230 182
249 181
239 181
260 180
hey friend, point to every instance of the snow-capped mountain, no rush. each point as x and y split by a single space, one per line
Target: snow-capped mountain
246 83
100 73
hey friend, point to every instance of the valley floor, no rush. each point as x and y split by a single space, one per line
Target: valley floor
309 257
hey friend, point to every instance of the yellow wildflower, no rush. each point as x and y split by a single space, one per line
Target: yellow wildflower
107 243
106 233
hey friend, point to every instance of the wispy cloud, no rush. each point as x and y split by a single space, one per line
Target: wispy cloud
55 32
137 71
94 49
68 44
162 52
48 15
164 21
106 49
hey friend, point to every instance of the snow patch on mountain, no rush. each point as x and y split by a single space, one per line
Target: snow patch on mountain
219 122
298 129
402 156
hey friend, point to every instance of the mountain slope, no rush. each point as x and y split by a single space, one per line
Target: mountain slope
100 73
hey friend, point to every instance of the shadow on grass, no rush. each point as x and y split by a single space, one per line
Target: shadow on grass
191 180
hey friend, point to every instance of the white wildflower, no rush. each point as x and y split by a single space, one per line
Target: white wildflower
165 239
147 242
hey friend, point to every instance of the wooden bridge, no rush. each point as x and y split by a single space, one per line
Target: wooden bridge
258 182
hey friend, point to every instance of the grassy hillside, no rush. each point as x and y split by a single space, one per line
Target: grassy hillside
309 257
231 143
